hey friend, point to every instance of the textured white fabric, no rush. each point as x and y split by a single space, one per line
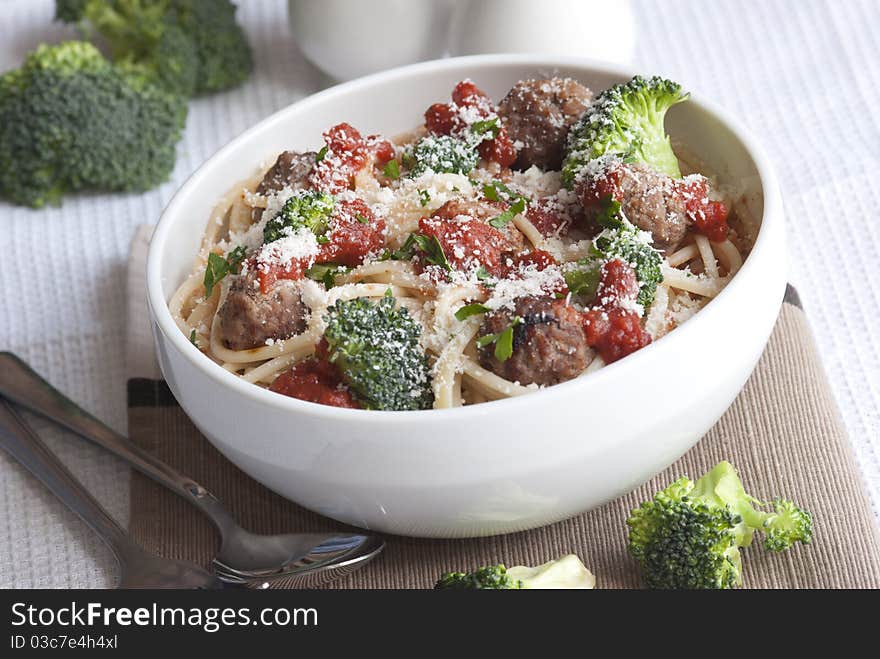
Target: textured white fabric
803 75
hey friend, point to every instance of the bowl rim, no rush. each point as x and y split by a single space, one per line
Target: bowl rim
772 213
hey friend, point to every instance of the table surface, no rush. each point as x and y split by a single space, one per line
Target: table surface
803 75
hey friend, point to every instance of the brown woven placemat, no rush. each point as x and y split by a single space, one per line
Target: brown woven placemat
782 433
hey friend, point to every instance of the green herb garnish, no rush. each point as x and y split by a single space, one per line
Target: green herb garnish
218 267
424 197
500 221
493 191
321 154
470 310
391 169
503 341
584 280
433 250
491 126
192 339
609 213
326 273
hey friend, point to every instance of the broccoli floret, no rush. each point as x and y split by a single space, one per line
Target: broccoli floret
191 46
626 120
689 535
309 209
632 246
566 572
493 577
440 154
70 120
619 240
225 58
376 348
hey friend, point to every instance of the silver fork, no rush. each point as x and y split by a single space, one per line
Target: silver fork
140 569
249 559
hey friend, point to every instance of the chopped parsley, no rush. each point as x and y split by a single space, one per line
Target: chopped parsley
424 197
360 218
428 245
432 249
584 280
497 191
321 154
486 128
609 213
218 267
503 341
391 169
501 221
482 273
470 310
192 339
326 273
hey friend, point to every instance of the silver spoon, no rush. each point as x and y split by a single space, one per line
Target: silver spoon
140 569
257 561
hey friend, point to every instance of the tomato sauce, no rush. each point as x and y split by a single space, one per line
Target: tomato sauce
347 153
615 331
354 233
448 119
468 244
317 381
707 217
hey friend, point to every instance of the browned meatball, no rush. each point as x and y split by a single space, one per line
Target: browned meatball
649 202
538 114
549 345
291 169
248 317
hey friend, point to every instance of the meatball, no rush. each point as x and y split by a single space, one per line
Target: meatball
651 202
538 114
549 345
291 169
248 317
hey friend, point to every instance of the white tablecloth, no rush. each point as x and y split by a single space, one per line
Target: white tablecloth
803 75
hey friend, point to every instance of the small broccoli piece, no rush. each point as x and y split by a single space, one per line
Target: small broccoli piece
191 46
440 154
690 534
626 120
70 120
308 208
493 577
376 348
566 572
619 240
785 526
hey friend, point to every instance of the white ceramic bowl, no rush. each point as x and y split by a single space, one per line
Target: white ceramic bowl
497 467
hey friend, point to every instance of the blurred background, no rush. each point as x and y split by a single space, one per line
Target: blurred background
802 75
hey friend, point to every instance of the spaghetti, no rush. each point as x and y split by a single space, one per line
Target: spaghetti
459 250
